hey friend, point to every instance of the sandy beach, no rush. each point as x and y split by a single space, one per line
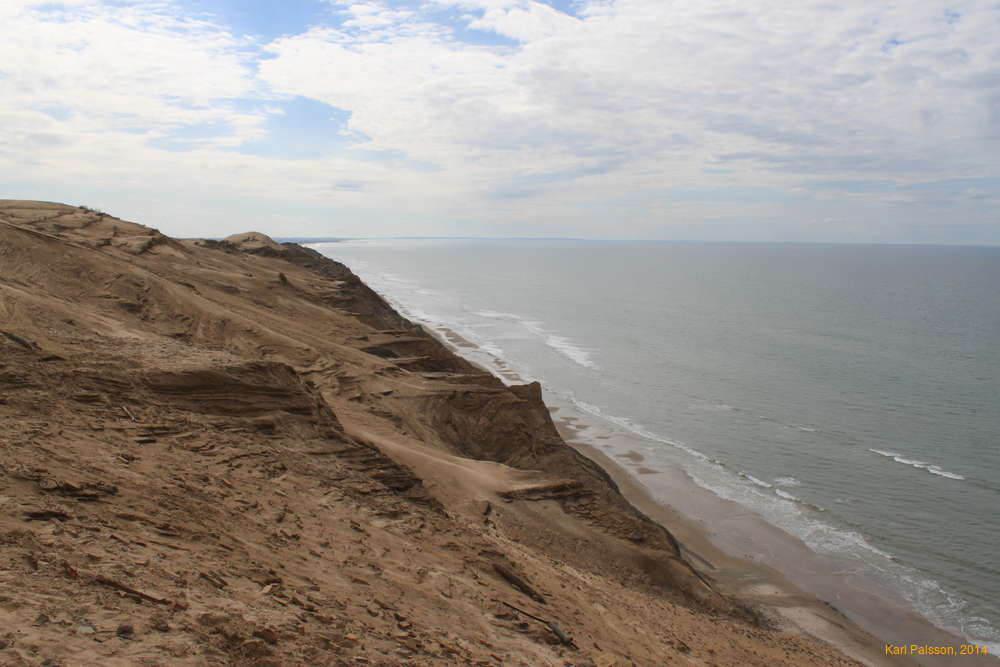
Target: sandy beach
794 607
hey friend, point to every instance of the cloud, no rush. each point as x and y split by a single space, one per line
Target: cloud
140 93
521 114
117 75
525 22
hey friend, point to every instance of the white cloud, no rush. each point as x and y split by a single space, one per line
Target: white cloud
604 113
595 117
126 69
82 94
527 22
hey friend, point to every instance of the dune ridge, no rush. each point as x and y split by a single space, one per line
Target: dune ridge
236 453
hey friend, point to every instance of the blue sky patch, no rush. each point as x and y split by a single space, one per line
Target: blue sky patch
463 33
304 128
56 111
263 19
891 44
565 6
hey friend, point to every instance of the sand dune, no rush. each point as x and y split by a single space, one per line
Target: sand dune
235 453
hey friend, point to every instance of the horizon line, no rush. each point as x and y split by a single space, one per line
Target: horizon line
335 239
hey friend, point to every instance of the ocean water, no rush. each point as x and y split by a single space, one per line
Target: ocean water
847 394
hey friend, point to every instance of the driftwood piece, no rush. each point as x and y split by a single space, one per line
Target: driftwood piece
44 515
80 491
564 638
23 342
128 590
519 583
216 581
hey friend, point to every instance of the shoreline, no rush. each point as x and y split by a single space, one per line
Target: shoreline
764 588
761 563
790 605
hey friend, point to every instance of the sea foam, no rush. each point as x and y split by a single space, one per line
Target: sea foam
758 482
640 430
916 463
561 344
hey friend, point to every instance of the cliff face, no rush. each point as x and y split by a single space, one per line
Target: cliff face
236 453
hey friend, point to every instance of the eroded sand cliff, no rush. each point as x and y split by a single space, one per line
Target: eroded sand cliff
236 453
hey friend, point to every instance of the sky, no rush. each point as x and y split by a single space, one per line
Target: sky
760 120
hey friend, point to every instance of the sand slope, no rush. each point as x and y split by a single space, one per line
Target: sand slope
235 453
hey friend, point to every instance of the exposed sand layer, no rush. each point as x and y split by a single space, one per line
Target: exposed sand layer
235 453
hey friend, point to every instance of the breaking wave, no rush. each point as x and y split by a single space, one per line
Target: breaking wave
920 465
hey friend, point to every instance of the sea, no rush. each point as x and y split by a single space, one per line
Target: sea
847 395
